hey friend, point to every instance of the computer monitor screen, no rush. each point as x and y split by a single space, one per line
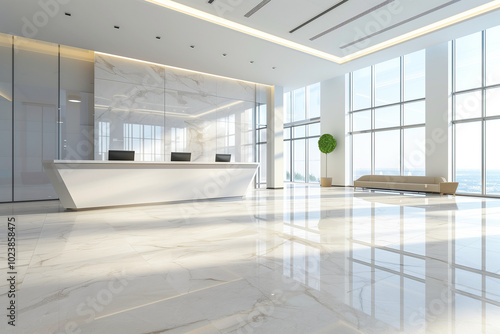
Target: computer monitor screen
180 156
121 155
223 158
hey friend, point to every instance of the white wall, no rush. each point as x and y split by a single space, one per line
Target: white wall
333 122
437 131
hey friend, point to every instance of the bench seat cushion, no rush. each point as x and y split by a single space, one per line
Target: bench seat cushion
398 186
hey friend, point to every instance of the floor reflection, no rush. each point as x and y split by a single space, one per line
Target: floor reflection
414 263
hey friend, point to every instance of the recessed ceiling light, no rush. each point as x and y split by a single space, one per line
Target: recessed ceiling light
158 37
466 15
67 14
117 27
191 46
224 54
251 61
74 98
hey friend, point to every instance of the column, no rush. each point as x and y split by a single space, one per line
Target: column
275 138
438 127
333 121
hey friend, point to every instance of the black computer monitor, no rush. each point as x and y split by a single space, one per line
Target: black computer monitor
223 158
180 156
121 155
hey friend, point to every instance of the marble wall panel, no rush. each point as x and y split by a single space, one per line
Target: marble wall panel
201 114
238 90
187 81
125 70
125 102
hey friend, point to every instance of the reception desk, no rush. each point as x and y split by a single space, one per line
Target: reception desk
90 184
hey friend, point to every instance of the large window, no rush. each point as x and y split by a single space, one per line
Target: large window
476 112
301 134
145 140
387 117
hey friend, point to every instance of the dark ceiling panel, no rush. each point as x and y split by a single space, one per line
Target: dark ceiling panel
256 8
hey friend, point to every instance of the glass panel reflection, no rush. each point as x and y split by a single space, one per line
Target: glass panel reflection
387 152
299 162
414 151
387 82
387 117
5 118
77 103
314 161
362 147
362 89
414 75
493 56
468 105
35 117
492 157
414 113
362 120
468 157
468 62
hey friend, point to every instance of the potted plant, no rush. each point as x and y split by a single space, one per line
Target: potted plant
326 144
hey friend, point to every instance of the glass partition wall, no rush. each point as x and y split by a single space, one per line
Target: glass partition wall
46 113
5 118
35 117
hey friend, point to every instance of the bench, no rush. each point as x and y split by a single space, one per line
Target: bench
410 183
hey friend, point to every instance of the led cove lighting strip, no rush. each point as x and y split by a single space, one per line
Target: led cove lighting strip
469 14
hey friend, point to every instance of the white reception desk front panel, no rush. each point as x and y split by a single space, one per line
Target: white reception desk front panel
87 184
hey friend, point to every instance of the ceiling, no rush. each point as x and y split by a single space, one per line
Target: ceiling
339 28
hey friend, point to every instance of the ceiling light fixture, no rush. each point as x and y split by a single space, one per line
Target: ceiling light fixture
467 15
74 98
67 14
158 37
117 27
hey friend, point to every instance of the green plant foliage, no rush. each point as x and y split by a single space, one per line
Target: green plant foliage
327 143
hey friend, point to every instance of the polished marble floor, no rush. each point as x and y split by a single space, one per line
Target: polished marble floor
299 260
